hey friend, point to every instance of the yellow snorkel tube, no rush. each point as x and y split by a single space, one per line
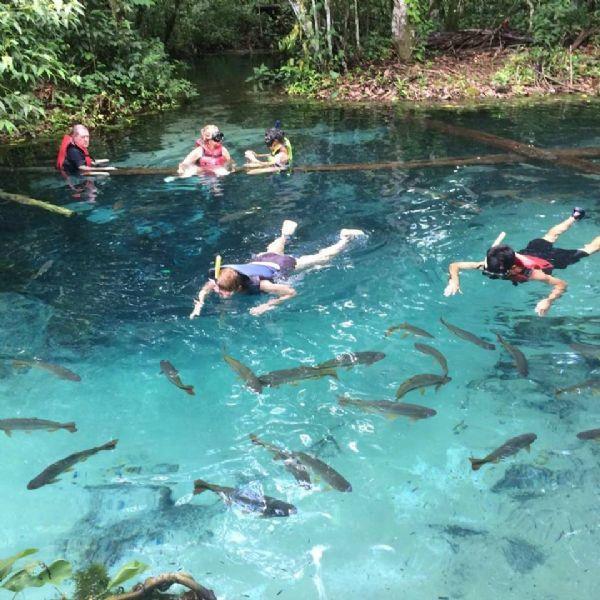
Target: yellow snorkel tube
217 266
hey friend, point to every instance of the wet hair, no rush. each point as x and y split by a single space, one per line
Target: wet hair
230 280
500 259
211 132
274 135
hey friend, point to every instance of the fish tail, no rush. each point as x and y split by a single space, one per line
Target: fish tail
72 427
476 463
189 389
109 445
343 400
201 486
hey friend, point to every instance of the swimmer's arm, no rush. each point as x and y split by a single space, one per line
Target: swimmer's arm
100 161
558 289
281 291
226 154
454 269
190 160
206 289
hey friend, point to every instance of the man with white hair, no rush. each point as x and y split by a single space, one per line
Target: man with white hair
73 156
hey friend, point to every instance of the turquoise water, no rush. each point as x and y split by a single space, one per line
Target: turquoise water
419 522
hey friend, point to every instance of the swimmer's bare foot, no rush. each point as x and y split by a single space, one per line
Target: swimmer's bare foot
288 228
351 233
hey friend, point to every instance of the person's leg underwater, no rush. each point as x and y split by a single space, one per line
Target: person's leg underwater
326 254
277 246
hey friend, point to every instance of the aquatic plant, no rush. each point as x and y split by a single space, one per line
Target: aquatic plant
91 582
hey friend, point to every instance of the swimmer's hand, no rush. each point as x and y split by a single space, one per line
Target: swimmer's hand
452 288
250 155
198 304
542 307
100 161
261 308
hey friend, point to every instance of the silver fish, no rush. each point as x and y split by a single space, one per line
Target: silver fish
518 356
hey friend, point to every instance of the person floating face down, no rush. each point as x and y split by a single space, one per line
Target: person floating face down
536 262
74 158
279 157
266 273
209 155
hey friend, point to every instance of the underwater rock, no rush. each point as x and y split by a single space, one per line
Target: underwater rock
23 323
524 478
521 555
104 536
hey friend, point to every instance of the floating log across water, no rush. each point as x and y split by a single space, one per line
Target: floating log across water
37 203
567 156
527 150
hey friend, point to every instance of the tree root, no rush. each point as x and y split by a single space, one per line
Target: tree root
162 583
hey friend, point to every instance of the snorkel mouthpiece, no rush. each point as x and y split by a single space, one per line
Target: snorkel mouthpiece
217 266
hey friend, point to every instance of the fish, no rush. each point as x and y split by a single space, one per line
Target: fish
465 335
590 434
409 329
350 359
591 384
518 356
509 448
306 461
589 350
43 269
173 376
61 372
425 349
250 379
386 407
276 378
267 506
50 474
420 381
10 425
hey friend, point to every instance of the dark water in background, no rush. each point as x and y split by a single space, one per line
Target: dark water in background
115 302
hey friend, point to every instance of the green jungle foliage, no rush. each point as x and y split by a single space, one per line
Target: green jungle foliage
66 61
194 27
331 36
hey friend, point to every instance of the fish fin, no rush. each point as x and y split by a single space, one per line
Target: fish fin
200 486
422 391
110 445
54 480
528 448
413 419
476 463
190 390
404 335
73 468
391 417
8 432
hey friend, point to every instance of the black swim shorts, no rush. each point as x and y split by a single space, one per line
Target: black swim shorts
559 257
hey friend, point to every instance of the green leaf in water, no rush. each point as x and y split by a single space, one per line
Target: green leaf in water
54 573
7 563
131 569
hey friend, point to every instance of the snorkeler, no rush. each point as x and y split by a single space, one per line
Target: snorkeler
209 154
535 262
266 270
280 153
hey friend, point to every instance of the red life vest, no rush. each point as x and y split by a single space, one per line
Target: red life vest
211 158
529 264
62 152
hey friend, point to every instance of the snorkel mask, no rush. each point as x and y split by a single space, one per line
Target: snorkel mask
218 137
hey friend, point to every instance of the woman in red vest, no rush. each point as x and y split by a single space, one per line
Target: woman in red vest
208 155
534 263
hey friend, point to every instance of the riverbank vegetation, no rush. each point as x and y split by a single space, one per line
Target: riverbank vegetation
439 49
66 61
103 61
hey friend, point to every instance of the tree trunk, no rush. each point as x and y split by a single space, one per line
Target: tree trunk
328 24
402 34
356 25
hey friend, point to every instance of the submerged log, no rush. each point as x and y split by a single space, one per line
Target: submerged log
162 583
527 150
489 159
37 203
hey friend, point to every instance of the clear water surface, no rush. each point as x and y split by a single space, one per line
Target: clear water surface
419 522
